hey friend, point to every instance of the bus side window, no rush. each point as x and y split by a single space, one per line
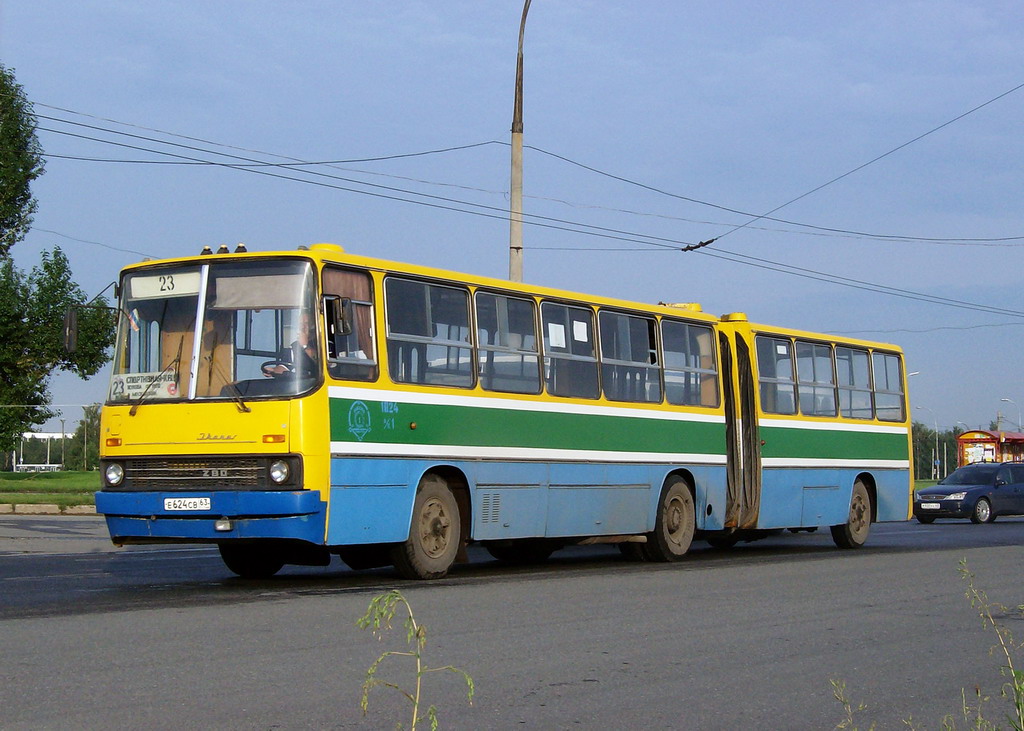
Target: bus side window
888 383
570 356
853 371
506 331
691 376
351 352
629 358
775 372
814 373
428 333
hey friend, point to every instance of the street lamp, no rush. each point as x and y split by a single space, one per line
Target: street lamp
935 454
1011 401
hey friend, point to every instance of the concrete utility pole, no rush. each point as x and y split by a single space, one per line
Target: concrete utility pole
515 237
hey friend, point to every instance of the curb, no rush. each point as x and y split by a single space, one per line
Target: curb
45 509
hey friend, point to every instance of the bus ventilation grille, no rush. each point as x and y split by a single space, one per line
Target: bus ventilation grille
491 507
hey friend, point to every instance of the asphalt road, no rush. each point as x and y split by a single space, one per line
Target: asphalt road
158 637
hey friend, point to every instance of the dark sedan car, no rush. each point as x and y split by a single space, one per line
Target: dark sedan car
976 491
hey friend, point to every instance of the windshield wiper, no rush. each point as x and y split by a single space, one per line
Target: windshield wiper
236 394
177 377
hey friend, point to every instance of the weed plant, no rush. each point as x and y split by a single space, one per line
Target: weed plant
378 618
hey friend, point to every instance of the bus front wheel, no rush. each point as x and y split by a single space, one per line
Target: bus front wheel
434 535
674 524
854 532
250 560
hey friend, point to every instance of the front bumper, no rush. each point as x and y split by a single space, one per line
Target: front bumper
945 509
141 517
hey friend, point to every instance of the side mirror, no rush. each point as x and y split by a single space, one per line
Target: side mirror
71 329
339 315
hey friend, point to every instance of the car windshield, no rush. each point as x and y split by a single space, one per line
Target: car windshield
972 475
250 315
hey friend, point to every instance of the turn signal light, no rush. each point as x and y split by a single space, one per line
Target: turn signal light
273 438
113 441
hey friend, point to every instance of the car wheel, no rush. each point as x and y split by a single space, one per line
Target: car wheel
925 519
982 512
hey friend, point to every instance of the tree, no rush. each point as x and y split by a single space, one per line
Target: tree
32 311
87 437
21 161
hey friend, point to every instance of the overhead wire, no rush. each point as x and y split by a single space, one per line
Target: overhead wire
876 159
300 162
543 221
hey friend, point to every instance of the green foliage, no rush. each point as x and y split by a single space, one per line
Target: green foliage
87 434
1013 689
925 444
21 161
32 311
378 618
849 710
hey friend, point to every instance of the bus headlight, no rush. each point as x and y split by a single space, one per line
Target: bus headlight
114 473
280 471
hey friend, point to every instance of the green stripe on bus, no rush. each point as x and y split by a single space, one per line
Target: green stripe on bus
443 425
814 443
449 425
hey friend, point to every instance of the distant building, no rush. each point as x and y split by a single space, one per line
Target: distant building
989 446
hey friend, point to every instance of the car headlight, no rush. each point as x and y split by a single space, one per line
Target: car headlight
956 496
280 471
114 473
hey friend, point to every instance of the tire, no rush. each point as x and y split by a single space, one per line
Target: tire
982 512
522 552
854 532
674 524
925 519
434 535
251 560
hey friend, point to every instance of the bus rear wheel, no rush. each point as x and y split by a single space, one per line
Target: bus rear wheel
251 560
854 532
434 535
674 524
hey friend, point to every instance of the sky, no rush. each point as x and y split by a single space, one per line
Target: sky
891 129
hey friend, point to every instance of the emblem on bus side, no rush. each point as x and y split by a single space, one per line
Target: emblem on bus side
359 420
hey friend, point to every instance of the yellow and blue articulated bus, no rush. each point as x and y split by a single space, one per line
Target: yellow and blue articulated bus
289 406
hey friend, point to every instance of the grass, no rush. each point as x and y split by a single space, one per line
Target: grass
54 488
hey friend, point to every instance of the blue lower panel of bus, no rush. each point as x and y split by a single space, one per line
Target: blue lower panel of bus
372 500
819 497
254 514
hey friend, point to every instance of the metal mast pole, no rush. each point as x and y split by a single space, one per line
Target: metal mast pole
515 240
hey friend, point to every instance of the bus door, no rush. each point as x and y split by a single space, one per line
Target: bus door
743 443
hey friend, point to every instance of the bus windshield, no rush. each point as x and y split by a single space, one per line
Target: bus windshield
223 330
